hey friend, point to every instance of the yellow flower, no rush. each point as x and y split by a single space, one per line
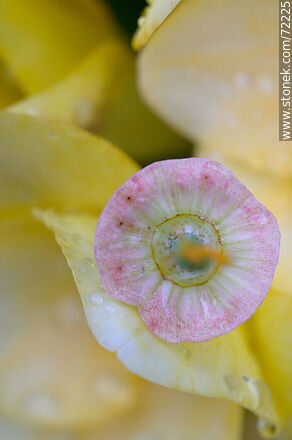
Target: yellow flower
210 70
65 57
41 45
227 367
53 374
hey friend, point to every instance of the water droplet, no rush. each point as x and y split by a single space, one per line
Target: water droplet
266 429
96 299
205 307
86 264
141 21
31 110
265 84
88 261
84 112
108 308
41 405
110 388
241 80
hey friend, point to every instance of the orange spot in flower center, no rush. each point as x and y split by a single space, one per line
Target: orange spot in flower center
195 254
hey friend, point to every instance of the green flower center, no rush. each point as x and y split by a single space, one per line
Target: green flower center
185 249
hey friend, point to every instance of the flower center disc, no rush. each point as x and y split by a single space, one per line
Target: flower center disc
185 248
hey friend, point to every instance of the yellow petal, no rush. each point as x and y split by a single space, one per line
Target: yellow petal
91 97
12 430
161 414
134 128
171 415
54 375
83 96
272 330
52 371
153 15
225 367
210 71
50 163
276 195
40 44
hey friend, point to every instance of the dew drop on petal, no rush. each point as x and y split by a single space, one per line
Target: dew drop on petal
108 308
40 405
87 261
110 388
266 428
96 299
242 80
